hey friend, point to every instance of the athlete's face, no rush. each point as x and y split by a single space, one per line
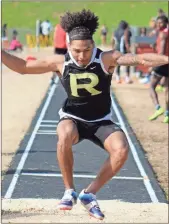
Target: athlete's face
160 24
81 51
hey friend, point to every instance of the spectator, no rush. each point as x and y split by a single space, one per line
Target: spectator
46 29
153 27
38 32
4 32
146 79
59 40
103 34
40 27
60 45
15 44
143 32
4 37
160 72
122 37
161 12
153 22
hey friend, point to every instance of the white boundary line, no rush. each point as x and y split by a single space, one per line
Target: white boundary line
146 180
78 176
28 147
30 142
48 125
49 121
46 133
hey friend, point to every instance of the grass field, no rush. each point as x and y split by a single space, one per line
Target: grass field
24 14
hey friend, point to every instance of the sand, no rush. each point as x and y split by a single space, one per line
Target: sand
44 211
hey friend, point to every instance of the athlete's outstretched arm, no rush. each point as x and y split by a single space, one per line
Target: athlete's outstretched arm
147 59
21 66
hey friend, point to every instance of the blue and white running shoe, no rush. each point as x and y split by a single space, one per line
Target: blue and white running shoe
69 199
88 200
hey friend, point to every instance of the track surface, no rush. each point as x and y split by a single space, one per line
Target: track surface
34 172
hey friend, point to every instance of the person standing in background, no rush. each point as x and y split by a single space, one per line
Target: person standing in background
161 12
60 46
160 72
122 38
59 40
38 33
4 32
46 29
153 27
103 34
143 32
4 37
15 43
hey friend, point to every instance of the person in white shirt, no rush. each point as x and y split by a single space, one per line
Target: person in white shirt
46 29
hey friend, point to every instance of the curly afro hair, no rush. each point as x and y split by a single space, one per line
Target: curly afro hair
84 19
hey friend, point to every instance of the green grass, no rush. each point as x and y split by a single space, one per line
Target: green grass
24 14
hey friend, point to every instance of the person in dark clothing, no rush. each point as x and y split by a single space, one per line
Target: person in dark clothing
160 72
122 38
4 32
4 37
103 34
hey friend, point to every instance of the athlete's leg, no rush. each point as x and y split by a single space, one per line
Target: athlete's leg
155 79
115 143
166 85
118 80
153 83
117 146
128 78
163 81
166 119
128 71
67 136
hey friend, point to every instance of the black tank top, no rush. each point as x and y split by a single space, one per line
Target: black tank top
88 89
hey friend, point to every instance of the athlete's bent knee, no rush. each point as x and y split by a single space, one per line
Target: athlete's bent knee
121 149
64 142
